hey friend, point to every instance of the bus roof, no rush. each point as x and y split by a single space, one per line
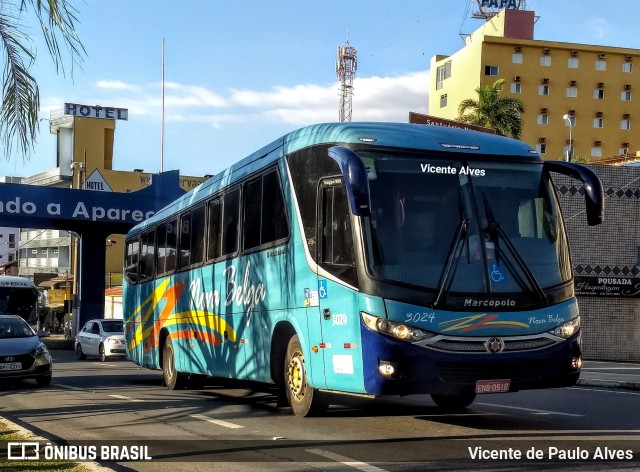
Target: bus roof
14 281
377 134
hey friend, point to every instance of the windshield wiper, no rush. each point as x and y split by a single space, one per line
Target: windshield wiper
497 232
453 256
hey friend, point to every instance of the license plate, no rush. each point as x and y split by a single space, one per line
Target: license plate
11 366
493 386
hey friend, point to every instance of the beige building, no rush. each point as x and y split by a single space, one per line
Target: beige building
575 92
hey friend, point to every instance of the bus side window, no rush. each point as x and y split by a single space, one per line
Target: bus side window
336 240
231 222
147 255
171 247
131 260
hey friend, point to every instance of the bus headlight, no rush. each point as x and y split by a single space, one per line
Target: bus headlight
395 330
567 329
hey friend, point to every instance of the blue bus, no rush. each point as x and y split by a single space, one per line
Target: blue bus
364 259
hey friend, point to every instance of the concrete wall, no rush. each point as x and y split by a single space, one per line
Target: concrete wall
610 324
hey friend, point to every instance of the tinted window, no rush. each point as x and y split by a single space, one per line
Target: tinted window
147 255
131 260
265 220
223 224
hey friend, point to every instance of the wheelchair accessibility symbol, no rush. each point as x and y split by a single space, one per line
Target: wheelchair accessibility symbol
322 289
497 273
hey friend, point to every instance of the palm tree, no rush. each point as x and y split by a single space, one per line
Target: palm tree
20 94
504 114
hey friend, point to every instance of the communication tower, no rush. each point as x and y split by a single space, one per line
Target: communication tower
346 66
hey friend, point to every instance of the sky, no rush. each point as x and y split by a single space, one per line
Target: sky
240 74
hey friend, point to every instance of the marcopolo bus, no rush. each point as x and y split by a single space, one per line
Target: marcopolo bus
19 296
364 258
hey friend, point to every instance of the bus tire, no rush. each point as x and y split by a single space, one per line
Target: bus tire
453 402
173 379
303 399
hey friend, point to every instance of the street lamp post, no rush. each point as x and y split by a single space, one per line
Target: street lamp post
567 118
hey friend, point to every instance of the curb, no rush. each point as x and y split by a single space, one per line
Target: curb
91 466
610 384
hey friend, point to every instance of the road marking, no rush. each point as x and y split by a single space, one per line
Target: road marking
611 368
346 461
70 387
532 410
102 364
218 422
122 397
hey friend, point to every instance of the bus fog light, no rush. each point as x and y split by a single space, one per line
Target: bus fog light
386 368
576 363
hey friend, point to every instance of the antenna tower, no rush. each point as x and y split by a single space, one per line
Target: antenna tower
346 66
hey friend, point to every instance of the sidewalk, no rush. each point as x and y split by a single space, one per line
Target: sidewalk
617 375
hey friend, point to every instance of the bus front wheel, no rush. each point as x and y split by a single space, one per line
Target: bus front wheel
453 402
303 399
173 379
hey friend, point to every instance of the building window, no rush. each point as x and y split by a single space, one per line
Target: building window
516 58
601 65
443 100
625 124
541 148
573 63
623 151
627 66
571 121
572 92
543 90
596 151
598 94
543 119
442 72
491 70
545 61
625 96
516 87
598 122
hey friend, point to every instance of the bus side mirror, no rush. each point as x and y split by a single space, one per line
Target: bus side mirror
593 194
355 178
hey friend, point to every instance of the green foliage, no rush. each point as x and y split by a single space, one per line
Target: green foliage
504 114
20 93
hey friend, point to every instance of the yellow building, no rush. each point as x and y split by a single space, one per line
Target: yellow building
570 91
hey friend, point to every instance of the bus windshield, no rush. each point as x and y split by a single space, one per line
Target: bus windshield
19 301
466 227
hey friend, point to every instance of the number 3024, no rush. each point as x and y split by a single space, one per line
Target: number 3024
427 317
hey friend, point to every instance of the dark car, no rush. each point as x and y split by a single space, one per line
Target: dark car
22 354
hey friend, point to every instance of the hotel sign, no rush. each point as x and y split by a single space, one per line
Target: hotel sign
421 119
625 287
96 111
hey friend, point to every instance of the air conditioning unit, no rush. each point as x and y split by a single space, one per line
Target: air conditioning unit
571 113
627 86
625 145
542 140
628 58
546 51
545 81
600 85
569 142
626 116
599 114
572 83
516 78
601 55
543 111
574 53
597 143
518 48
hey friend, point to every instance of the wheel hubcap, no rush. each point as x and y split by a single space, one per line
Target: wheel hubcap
295 376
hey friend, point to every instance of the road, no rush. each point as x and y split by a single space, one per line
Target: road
235 426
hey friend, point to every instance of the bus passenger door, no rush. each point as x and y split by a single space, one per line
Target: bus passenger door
337 289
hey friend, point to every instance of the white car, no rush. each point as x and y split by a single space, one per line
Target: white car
102 338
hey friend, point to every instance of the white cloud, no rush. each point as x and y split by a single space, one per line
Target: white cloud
374 99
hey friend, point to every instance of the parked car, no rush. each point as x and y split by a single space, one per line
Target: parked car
102 338
22 354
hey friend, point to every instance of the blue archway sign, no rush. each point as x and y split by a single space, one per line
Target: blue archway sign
94 216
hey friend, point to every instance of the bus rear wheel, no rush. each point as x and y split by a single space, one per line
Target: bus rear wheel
453 402
173 379
303 399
